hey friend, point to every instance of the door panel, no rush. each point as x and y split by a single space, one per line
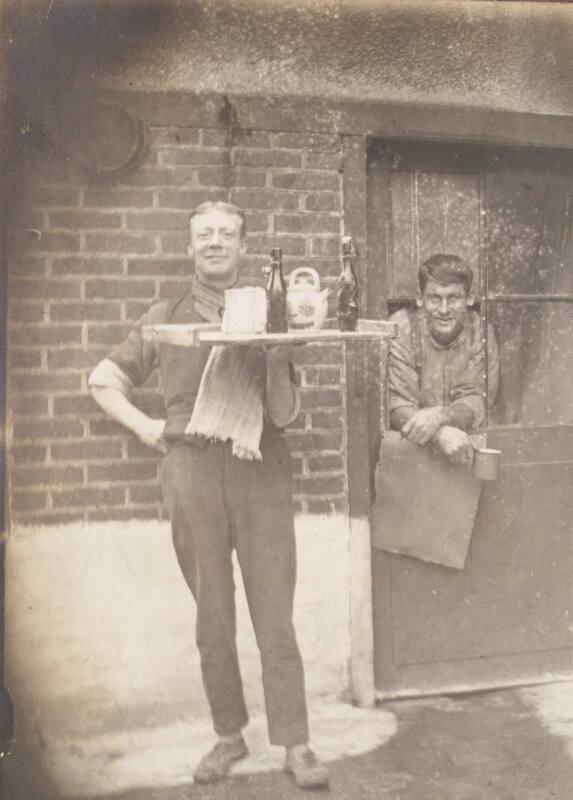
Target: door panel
506 617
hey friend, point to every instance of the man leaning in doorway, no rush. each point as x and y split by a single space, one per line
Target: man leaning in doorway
436 365
227 484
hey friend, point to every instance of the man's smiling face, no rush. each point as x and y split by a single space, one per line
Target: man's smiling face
445 308
217 246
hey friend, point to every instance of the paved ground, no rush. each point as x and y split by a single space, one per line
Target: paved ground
486 746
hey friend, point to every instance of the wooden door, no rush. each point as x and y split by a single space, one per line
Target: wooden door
508 616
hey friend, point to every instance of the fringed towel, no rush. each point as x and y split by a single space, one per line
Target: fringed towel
229 402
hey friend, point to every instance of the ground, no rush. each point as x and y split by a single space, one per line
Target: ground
511 744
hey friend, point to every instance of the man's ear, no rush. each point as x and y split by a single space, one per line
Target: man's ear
243 247
190 250
470 299
419 299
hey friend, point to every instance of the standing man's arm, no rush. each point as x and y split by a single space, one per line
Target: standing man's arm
281 396
112 381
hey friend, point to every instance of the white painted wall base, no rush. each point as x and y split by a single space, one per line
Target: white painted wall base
103 668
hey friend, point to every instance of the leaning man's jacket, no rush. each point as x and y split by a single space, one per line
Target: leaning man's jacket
422 373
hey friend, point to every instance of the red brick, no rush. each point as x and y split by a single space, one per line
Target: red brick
87 266
159 266
89 496
25 312
265 199
28 453
327 354
174 136
318 398
150 176
87 450
28 267
323 376
46 475
299 423
314 181
174 243
319 141
28 501
214 176
123 471
76 312
44 289
326 463
327 420
84 220
306 223
244 176
332 485
157 220
250 138
149 512
31 406
50 518
109 335
118 198
324 160
120 242
44 382
322 202
262 243
266 158
315 440
192 156
215 137
54 196
145 494
187 198
24 359
105 427
114 289
55 243
39 335
74 358
327 246
47 429
297 465
76 404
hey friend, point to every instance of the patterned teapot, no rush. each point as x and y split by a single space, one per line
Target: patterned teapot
307 306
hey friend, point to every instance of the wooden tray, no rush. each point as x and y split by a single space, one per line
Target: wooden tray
209 334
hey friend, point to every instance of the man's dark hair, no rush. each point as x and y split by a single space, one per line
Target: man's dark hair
220 205
445 269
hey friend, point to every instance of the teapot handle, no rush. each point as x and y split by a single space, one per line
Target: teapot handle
296 275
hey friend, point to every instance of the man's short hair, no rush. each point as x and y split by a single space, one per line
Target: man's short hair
220 205
445 269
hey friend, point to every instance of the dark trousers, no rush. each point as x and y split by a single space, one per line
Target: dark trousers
216 503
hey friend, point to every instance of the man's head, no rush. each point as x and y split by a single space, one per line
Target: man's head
445 292
216 242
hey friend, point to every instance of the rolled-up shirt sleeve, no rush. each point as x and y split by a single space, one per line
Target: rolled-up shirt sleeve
133 361
469 385
403 378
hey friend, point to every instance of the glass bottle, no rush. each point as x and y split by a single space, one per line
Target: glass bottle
347 288
276 294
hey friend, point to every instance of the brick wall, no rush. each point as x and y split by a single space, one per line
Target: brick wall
87 258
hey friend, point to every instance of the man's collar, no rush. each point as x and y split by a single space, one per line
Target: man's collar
209 302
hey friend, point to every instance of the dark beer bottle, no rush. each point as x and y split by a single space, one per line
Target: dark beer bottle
347 288
276 294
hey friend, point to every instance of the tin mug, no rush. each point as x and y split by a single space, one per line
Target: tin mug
245 310
486 463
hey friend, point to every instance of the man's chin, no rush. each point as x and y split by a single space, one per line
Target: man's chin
444 335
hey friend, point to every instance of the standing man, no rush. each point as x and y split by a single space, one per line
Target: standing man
436 365
227 484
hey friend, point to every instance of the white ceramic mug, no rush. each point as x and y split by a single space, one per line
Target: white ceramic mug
245 310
